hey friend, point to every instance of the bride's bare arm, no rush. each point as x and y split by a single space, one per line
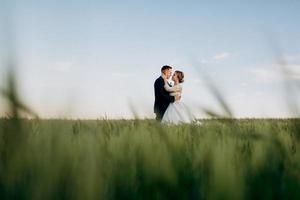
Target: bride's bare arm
171 89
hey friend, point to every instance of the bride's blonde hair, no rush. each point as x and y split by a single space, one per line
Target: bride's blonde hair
180 76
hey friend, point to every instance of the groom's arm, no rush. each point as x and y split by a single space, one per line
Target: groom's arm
159 90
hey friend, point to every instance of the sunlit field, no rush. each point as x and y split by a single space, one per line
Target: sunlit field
142 159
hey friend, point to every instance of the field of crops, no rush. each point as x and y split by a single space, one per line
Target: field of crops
142 159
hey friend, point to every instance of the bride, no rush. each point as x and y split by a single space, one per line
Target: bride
177 112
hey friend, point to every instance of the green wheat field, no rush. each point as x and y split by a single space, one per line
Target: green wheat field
142 159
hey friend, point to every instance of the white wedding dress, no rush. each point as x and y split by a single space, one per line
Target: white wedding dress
177 112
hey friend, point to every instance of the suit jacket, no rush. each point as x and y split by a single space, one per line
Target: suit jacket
162 97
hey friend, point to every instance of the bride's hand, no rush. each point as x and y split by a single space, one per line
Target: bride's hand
177 97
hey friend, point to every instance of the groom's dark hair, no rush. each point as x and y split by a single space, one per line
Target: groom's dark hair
165 67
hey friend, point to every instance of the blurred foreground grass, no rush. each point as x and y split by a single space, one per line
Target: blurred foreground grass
142 159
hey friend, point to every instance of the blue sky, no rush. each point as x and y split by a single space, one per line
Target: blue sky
87 59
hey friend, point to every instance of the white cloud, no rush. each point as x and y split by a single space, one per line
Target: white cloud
274 73
266 74
291 58
222 56
213 59
293 72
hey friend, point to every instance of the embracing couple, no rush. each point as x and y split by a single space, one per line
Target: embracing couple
168 106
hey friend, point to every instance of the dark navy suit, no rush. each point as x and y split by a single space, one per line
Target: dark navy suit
162 98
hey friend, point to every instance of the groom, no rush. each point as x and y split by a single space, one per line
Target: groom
162 97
